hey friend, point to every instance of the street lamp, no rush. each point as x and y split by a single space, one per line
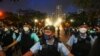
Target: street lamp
35 20
71 20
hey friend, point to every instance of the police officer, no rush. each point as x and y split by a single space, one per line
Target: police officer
15 44
49 45
7 40
28 39
92 34
80 43
95 51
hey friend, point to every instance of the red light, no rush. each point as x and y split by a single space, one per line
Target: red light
1 14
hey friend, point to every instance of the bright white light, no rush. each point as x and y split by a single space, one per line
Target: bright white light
35 20
71 20
48 21
58 22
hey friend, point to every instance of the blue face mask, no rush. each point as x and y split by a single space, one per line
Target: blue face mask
47 37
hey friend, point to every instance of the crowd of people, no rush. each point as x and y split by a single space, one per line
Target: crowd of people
25 41
14 39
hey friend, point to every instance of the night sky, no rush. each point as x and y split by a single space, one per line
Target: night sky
39 5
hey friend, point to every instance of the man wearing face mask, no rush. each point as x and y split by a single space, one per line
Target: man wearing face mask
49 45
15 44
80 44
95 50
7 40
28 39
93 35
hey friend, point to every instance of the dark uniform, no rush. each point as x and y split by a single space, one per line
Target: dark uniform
82 47
1 34
26 41
17 38
49 50
6 40
95 51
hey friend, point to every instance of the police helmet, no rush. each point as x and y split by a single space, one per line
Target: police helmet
50 27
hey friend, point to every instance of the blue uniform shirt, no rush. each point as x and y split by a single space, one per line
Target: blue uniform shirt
61 48
15 38
33 36
72 40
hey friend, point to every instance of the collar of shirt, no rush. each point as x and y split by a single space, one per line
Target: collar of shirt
83 36
50 42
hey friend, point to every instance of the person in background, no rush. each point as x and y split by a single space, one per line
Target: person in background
80 43
28 39
95 50
92 34
16 40
7 40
